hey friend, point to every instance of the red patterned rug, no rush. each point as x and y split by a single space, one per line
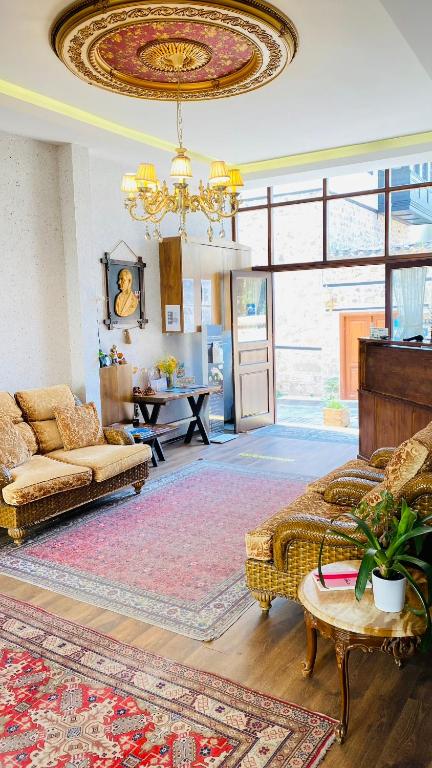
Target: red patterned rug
72 698
172 557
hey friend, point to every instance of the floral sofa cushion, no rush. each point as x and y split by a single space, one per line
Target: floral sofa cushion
13 448
9 407
79 426
42 477
105 460
259 542
39 404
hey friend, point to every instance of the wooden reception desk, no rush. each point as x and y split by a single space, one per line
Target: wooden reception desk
395 392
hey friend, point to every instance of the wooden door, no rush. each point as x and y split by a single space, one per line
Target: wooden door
252 336
353 326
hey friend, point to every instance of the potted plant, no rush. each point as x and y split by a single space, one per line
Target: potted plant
334 413
168 366
392 539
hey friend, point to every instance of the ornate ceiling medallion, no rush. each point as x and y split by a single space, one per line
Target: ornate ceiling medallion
137 48
174 55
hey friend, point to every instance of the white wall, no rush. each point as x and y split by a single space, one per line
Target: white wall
33 304
61 208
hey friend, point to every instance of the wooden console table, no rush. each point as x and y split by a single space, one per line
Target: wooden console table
194 395
350 624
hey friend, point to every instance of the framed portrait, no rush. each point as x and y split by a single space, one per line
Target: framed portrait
125 299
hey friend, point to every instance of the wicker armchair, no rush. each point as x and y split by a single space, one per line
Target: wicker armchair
296 536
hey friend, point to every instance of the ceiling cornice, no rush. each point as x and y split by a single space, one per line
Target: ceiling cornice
327 156
67 110
299 161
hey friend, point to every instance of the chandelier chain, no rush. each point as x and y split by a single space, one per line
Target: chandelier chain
179 113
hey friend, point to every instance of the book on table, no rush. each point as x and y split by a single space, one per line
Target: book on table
337 576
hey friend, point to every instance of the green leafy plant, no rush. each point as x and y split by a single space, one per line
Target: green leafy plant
331 391
392 539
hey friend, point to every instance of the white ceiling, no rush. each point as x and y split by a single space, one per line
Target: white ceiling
363 72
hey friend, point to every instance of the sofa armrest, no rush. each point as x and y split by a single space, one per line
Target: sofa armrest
348 491
309 529
381 457
118 436
5 479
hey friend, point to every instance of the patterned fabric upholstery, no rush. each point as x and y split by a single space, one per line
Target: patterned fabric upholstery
321 483
105 460
13 448
42 477
118 436
28 436
48 435
259 542
405 463
39 404
9 407
79 426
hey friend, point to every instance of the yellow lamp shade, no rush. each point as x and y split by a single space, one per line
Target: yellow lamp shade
181 166
219 174
128 184
146 176
235 179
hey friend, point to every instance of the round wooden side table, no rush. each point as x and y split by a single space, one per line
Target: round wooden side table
350 624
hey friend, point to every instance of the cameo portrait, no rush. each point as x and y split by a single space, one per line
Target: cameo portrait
125 292
126 301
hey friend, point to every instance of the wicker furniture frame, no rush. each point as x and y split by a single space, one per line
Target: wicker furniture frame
296 545
20 519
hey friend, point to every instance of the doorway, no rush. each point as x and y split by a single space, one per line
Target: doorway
353 326
319 315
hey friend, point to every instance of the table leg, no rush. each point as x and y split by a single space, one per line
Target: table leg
158 449
151 443
342 658
311 645
196 407
144 411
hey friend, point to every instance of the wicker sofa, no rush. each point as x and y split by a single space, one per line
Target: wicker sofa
54 480
284 548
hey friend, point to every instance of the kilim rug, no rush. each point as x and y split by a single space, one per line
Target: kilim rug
172 557
73 698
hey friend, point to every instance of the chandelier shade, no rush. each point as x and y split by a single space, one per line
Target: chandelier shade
129 184
181 166
219 174
146 177
235 179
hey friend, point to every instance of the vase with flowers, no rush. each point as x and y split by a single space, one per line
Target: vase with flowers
168 366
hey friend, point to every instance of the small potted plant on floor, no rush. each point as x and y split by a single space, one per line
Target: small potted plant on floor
391 536
334 413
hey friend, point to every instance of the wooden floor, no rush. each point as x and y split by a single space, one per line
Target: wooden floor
390 722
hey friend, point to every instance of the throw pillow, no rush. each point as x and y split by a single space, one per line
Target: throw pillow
79 426
405 463
13 449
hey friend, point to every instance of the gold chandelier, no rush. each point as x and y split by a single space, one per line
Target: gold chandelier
149 200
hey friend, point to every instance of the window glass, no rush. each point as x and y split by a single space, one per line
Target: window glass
250 197
412 302
355 182
297 233
251 309
411 221
410 174
296 190
252 230
356 227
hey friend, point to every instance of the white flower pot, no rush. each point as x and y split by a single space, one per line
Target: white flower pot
389 594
